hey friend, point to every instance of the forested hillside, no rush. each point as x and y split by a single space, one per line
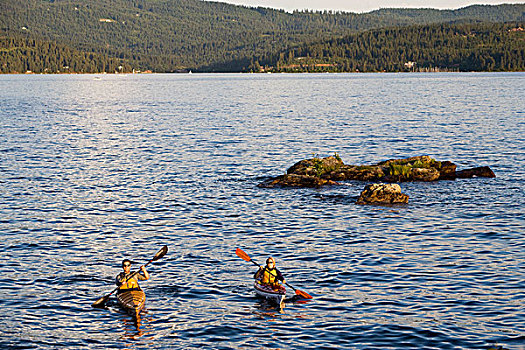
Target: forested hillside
30 55
172 35
449 47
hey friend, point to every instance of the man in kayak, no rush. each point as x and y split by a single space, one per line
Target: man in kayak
269 275
132 283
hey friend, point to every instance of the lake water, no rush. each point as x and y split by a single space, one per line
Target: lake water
98 168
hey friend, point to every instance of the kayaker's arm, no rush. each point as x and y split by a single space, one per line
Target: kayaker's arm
145 272
120 279
280 276
257 274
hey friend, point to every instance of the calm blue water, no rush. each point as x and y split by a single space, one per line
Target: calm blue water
97 168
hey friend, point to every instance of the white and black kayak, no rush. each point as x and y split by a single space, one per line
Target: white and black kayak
275 296
267 292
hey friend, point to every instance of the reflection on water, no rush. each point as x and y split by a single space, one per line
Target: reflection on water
95 171
267 307
139 327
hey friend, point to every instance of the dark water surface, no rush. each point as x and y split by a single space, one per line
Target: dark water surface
96 168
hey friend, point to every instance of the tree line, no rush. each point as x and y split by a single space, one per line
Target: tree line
22 55
445 47
179 35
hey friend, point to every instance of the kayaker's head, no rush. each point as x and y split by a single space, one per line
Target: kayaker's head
270 262
126 265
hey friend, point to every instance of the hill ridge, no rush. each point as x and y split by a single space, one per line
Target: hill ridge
173 35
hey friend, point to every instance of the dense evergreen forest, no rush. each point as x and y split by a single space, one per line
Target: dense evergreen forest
29 55
443 47
178 35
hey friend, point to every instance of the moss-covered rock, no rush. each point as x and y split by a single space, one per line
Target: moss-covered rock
360 173
294 180
447 171
318 167
317 172
413 162
403 173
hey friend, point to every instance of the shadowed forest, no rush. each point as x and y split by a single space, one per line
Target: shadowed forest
181 35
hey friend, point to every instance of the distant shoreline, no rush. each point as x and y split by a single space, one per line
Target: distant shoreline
261 73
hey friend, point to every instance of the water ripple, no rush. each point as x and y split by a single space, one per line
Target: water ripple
95 171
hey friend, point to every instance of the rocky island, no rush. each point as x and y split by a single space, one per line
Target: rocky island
317 172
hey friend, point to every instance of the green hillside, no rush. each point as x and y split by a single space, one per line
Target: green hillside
450 47
171 35
19 55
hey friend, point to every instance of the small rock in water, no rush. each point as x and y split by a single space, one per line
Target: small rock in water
381 193
483 171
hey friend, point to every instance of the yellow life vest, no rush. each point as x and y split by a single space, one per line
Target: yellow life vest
131 283
269 276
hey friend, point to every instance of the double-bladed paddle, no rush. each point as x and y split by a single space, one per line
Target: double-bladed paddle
241 254
101 302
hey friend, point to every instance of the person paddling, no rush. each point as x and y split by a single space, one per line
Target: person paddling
269 275
123 280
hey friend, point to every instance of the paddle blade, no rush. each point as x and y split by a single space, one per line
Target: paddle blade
241 254
160 253
100 303
303 294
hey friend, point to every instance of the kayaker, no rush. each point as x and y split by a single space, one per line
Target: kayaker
269 275
133 282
